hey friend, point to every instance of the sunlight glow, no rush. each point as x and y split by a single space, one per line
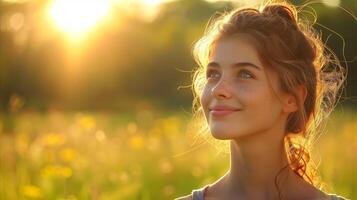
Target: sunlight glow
152 2
151 8
331 3
76 17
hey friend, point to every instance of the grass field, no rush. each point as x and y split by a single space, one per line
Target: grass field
142 156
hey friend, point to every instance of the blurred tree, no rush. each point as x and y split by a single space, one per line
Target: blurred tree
129 59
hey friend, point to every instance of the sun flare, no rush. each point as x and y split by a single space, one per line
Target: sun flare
76 17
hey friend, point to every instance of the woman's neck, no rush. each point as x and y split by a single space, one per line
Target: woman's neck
255 161
254 165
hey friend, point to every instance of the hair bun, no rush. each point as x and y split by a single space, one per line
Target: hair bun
286 12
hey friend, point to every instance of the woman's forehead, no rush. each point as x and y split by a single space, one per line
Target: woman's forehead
237 49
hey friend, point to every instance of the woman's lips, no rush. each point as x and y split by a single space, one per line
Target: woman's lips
222 110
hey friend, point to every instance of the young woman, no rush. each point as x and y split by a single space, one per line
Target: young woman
264 83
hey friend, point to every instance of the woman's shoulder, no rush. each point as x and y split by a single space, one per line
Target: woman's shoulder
328 196
313 193
187 197
336 197
196 194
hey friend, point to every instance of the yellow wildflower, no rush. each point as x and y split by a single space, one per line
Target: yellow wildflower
136 142
53 139
87 122
31 191
67 154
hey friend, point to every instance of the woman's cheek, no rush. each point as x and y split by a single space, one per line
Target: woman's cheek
204 98
246 92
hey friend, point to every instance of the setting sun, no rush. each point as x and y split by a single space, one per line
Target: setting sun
78 16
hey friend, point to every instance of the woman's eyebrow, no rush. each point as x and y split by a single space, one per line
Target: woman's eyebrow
235 65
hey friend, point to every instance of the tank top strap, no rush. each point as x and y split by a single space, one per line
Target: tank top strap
199 194
336 197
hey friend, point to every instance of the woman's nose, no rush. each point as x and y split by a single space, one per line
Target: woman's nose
222 89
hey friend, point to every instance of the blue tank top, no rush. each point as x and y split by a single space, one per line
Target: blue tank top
199 194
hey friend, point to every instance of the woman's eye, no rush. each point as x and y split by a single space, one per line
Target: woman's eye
245 74
212 74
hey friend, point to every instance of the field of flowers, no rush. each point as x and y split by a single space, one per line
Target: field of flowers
143 155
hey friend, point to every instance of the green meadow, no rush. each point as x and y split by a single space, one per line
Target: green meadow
136 156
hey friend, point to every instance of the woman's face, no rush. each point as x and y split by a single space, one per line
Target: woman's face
237 99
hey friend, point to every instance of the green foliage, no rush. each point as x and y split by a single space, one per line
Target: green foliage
127 59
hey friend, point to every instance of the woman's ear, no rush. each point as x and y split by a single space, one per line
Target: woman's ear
291 101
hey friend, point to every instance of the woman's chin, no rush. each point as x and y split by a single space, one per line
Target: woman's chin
221 135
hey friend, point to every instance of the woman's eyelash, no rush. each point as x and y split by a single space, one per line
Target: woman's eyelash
246 72
210 72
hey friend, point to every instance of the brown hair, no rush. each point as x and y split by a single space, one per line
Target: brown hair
291 47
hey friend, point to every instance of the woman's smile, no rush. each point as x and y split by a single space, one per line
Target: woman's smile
222 110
